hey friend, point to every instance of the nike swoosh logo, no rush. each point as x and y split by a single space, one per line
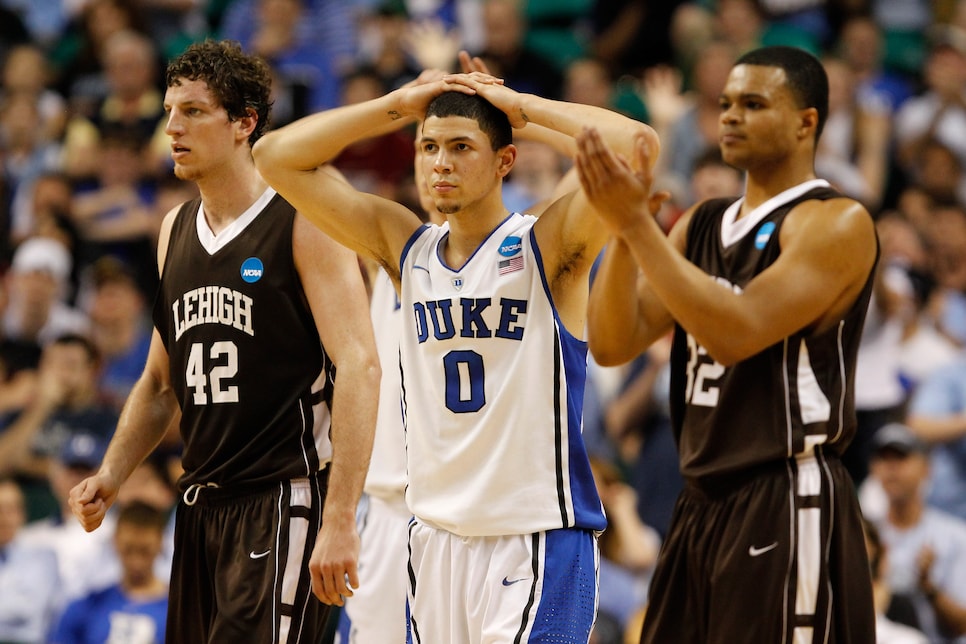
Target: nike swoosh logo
258 555
510 582
754 552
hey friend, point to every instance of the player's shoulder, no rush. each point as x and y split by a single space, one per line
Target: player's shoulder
835 214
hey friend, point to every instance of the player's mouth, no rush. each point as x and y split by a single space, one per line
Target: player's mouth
443 187
178 151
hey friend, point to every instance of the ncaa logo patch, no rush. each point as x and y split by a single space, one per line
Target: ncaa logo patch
511 246
252 269
764 234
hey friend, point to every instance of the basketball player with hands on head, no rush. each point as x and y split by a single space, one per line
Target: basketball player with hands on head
257 313
377 610
503 543
766 294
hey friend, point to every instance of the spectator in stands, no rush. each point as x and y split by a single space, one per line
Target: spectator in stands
887 630
24 152
67 404
26 72
861 45
507 55
120 327
309 44
134 610
940 111
29 579
39 285
854 153
86 560
44 210
128 104
937 414
379 164
116 214
927 547
77 56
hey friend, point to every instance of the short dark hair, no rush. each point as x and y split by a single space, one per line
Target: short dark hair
492 121
142 515
806 78
82 341
238 81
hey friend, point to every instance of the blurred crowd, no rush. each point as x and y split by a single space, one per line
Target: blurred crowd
86 179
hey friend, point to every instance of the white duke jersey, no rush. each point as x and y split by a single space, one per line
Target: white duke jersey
493 388
387 467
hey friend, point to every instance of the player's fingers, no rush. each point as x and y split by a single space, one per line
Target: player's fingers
330 582
82 493
466 61
317 587
91 514
656 200
589 162
352 576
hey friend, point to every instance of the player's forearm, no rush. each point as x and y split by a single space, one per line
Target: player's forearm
144 420
354 408
709 311
315 140
618 326
618 131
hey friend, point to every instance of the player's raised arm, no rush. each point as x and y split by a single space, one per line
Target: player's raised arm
828 249
291 159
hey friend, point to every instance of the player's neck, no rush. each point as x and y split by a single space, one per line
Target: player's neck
225 200
760 186
468 229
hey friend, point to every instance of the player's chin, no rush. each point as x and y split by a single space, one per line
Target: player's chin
185 173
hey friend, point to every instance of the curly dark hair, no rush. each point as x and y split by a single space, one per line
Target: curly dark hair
238 81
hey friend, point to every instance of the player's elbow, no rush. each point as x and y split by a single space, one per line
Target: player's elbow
608 353
267 155
727 353
262 150
366 368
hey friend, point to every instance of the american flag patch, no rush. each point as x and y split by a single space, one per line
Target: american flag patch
510 265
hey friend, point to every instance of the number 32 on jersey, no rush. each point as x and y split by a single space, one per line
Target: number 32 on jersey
704 371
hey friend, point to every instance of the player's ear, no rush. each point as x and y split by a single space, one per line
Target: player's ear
808 122
507 156
247 123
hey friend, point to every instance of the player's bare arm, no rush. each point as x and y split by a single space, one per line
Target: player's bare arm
291 160
569 222
828 249
334 287
145 418
569 236
624 316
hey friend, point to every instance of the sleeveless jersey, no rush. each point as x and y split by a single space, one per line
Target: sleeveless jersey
493 388
252 379
387 467
790 397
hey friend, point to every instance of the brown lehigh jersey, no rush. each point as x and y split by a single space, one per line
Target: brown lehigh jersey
250 373
791 396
